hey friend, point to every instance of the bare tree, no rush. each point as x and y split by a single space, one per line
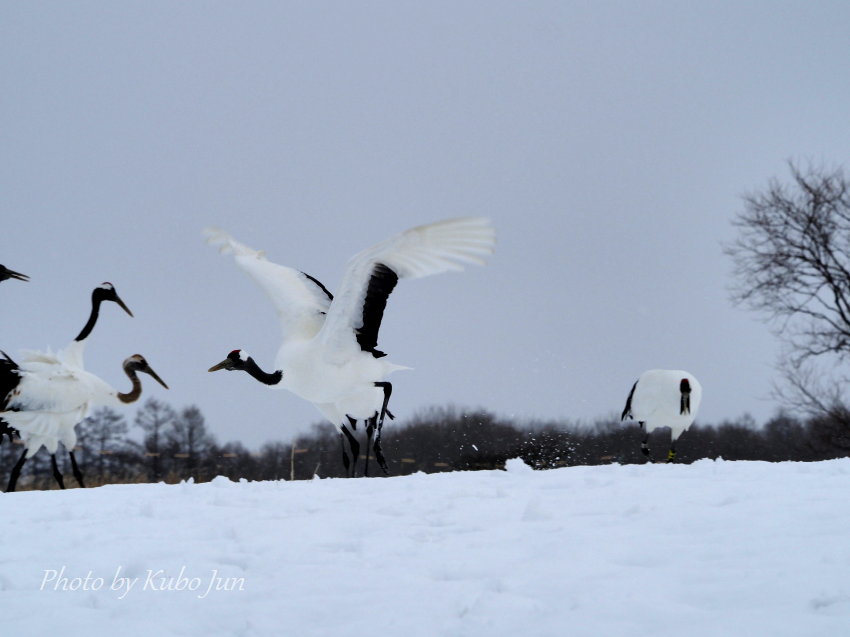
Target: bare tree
101 435
188 440
792 263
153 418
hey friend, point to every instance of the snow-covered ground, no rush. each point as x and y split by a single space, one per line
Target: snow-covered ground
713 548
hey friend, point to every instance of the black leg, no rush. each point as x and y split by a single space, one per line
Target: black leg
76 469
5 429
355 450
56 473
370 430
388 390
379 454
16 472
644 444
345 461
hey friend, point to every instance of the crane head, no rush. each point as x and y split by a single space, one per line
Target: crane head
236 360
137 363
106 292
6 273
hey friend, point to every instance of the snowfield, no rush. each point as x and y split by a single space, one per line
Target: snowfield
713 548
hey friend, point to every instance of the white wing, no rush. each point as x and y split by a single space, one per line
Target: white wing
301 301
355 314
40 371
53 387
46 428
72 355
36 357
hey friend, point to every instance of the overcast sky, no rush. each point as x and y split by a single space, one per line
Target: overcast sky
610 142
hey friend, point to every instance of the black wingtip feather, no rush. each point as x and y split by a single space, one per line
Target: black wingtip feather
381 284
9 379
319 284
627 412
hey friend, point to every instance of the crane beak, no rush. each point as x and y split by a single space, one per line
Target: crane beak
16 275
149 371
126 309
225 364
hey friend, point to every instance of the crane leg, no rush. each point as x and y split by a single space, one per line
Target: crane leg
379 453
671 455
370 430
76 469
644 444
5 429
345 461
371 427
16 472
355 449
56 473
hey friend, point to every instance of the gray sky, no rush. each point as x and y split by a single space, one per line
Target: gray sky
610 143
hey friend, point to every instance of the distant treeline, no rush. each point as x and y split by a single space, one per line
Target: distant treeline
176 445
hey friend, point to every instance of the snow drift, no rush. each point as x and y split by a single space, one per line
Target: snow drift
713 548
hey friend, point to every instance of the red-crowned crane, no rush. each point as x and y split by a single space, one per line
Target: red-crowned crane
53 395
72 352
329 354
71 356
664 398
6 273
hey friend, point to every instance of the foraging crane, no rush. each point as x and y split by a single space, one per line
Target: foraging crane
6 273
663 398
329 353
53 395
72 355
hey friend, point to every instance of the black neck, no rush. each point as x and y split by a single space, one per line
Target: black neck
264 377
89 326
685 403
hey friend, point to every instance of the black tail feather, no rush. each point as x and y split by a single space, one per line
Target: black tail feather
627 412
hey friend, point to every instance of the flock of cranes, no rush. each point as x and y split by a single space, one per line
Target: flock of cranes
45 396
329 354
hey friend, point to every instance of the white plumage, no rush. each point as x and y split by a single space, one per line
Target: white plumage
329 353
48 394
664 398
52 390
53 396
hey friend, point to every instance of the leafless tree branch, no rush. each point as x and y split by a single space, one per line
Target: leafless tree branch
792 263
